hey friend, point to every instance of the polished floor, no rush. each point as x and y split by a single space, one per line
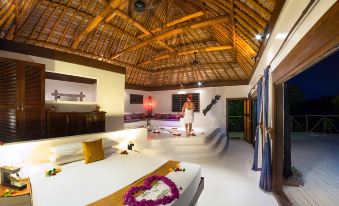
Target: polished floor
317 157
229 180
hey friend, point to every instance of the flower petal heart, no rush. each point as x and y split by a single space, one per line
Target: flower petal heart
130 200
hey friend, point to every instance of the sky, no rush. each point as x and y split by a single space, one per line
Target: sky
319 80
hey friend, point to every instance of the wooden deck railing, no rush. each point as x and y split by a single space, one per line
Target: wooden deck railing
315 123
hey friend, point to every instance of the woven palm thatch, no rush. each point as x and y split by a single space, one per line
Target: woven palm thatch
158 45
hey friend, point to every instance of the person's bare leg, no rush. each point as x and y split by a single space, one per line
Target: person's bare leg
189 129
186 127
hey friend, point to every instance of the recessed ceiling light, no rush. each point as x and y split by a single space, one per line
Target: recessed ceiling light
258 37
199 84
181 85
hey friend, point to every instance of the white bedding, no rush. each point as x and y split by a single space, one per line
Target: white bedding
80 184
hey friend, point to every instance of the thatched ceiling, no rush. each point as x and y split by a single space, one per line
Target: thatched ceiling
158 45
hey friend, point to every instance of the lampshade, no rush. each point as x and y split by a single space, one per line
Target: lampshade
149 104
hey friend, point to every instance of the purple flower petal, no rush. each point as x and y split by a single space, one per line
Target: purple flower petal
130 200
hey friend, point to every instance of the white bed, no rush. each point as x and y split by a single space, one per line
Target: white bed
80 184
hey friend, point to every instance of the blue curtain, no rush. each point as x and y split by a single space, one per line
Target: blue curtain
256 166
266 171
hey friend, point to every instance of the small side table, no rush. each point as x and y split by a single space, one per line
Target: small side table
20 198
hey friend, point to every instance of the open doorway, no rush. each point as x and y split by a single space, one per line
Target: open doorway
311 149
239 117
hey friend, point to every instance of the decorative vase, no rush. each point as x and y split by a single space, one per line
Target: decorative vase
97 109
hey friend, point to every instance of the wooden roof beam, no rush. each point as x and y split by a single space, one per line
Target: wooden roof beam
195 25
201 65
186 52
121 8
142 28
175 22
109 8
7 14
132 21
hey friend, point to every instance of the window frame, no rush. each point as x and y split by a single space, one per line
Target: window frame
136 99
177 106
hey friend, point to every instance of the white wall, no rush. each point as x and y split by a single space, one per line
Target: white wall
89 90
216 117
110 85
288 16
66 106
135 108
38 151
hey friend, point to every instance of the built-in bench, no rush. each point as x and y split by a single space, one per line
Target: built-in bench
139 120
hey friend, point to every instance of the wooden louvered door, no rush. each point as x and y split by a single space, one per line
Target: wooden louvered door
32 101
248 121
9 100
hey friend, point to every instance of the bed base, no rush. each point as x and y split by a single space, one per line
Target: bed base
198 193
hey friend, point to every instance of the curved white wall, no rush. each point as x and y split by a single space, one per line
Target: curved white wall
288 16
216 117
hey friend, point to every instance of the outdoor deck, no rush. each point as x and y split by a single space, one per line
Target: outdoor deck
317 157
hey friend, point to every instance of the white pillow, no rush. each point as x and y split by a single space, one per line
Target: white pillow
76 147
60 160
106 142
67 149
64 159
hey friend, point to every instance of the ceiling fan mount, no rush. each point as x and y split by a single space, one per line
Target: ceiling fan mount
139 6
195 61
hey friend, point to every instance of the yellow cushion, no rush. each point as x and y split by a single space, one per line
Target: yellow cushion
93 151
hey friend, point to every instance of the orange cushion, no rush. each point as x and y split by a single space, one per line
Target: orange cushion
93 151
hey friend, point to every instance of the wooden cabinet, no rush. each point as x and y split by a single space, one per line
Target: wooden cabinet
22 100
97 122
80 122
74 123
58 124
20 198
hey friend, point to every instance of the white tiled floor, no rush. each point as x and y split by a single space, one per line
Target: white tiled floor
230 181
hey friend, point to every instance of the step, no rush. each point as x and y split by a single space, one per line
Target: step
172 148
193 153
198 148
204 156
192 141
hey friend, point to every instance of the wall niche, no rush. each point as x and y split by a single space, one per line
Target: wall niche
64 88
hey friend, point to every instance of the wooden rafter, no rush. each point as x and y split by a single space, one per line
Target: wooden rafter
163 38
175 22
109 9
66 8
136 24
203 65
121 8
186 52
176 31
142 28
7 14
